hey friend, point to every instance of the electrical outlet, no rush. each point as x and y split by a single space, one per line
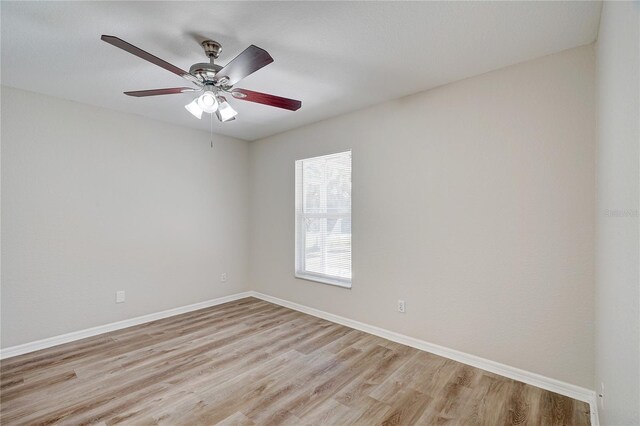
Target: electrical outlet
120 296
223 277
401 306
601 395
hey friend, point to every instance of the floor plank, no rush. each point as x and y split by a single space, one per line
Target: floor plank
250 362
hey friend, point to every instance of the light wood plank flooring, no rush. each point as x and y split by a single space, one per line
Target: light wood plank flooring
251 362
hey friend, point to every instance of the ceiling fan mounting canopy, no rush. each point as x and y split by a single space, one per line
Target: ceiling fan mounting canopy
211 48
212 79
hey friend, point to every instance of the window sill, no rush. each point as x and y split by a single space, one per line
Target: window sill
323 280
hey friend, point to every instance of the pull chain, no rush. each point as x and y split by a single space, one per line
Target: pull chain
211 130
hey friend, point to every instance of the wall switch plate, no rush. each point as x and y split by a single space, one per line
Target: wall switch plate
402 308
223 277
120 296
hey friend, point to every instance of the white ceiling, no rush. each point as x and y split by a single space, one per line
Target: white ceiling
334 56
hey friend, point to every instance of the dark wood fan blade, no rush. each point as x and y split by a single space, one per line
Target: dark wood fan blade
156 92
266 99
128 47
249 61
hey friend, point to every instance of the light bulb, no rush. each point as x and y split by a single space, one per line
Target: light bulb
207 101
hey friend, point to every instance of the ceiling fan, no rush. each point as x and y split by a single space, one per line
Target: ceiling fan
213 81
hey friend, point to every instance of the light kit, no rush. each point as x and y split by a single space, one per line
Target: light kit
206 102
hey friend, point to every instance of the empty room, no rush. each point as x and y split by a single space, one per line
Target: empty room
320 213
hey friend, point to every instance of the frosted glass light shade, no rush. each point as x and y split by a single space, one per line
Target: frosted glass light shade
225 112
194 109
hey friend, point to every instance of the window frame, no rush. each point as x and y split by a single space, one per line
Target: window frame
300 217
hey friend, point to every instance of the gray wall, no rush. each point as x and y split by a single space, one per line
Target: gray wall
474 202
95 201
617 245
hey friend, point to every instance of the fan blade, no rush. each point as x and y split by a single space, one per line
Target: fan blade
266 99
249 61
156 92
128 47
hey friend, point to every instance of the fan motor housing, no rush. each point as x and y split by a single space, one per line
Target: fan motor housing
205 70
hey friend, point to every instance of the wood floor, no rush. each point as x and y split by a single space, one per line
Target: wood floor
251 362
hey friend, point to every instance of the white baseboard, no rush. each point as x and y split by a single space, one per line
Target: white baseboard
553 385
94 331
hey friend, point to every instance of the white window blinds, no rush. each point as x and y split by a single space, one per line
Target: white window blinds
323 218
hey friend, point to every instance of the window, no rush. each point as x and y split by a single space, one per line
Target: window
323 219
